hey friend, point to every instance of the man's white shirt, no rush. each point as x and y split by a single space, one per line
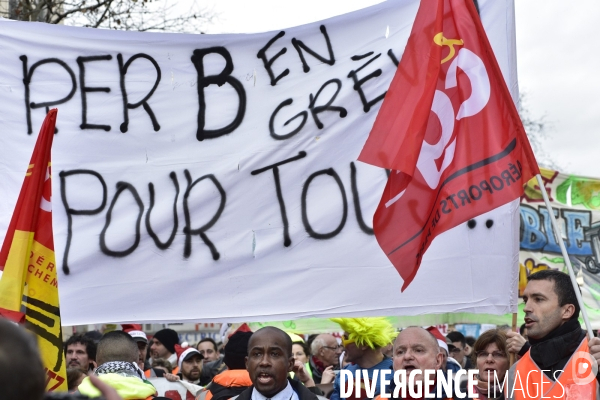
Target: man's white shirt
286 394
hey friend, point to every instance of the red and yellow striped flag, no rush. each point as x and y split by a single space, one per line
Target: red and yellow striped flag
28 284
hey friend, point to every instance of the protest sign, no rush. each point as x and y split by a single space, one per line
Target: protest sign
179 390
214 177
576 204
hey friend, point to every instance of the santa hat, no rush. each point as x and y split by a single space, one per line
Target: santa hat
131 327
242 328
441 339
186 353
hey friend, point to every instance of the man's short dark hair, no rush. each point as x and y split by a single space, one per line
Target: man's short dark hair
90 345
22 373
117 346
211 340
456 336
562 287
470 340
95 335
286 338
162 362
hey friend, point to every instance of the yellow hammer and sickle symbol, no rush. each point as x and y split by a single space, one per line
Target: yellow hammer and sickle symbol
440 40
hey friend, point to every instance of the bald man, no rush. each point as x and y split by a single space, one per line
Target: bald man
416 349
269 362
117 358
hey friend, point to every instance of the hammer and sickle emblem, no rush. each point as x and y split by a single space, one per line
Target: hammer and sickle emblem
474 68
440 40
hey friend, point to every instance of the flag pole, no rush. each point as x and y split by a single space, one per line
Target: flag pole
512 357
565 255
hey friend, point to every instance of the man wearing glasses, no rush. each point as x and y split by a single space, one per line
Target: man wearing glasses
458 352
325 357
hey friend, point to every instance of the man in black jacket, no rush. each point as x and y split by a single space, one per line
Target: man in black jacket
235 379
269 362
552 326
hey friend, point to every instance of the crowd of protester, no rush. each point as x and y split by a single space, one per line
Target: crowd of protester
271 364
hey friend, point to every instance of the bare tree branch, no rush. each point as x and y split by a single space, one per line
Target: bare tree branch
103 17
537 132
139 15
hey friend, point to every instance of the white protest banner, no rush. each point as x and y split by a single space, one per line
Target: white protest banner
213 177
178 390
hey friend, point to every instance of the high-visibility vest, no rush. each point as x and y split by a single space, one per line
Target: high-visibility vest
148 372
536 385
235 379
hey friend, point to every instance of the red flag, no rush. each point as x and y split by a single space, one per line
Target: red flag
26 219
28 283
449 130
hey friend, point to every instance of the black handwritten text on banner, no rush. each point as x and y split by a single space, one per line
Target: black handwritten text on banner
219 172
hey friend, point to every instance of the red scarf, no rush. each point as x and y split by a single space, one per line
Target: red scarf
318 363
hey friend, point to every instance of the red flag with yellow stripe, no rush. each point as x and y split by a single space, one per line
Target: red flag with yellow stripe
28 284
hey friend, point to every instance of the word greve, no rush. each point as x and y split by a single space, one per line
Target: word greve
427 383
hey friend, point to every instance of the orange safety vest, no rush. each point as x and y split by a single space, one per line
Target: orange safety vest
230 378
536 385
148 372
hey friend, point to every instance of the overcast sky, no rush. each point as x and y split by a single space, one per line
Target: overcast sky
558 62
